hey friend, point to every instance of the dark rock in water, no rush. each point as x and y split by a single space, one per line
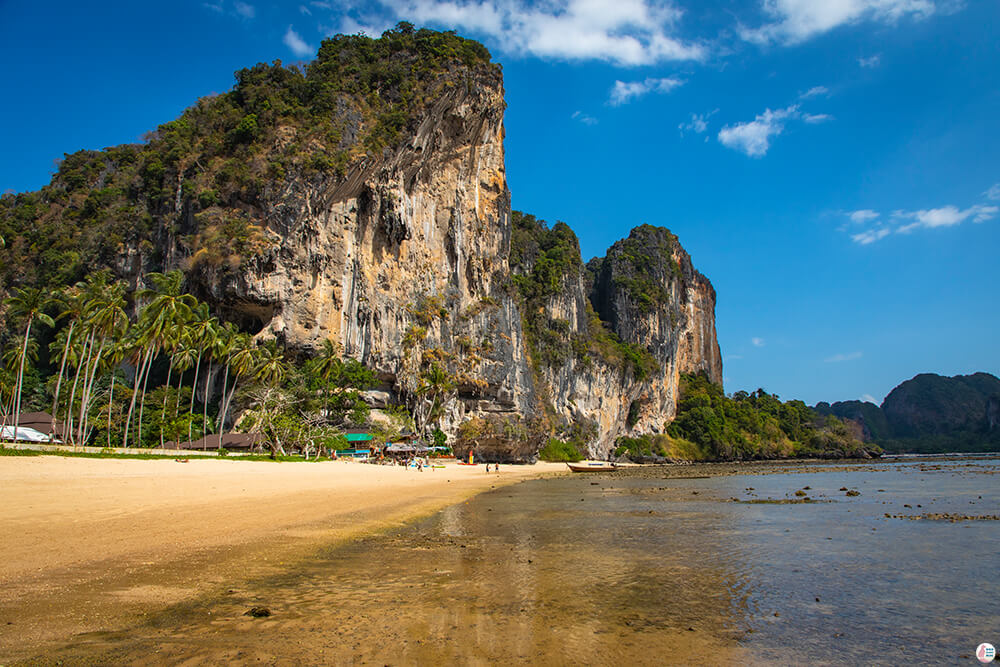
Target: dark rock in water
258 612
853 493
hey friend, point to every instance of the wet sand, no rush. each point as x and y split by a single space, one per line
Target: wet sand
92 545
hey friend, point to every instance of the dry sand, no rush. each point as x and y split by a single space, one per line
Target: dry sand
95 544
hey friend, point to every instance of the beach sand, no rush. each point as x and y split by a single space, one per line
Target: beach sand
94 545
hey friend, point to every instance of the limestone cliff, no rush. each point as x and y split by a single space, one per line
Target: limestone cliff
364 199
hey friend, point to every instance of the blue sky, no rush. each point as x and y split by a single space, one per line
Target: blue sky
833 166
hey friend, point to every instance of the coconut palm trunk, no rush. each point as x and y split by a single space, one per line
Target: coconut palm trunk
62 370
20 377
135 390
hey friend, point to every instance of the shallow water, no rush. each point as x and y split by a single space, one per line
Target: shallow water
660 565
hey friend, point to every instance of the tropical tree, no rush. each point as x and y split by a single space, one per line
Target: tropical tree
107 322
434 388
28 304
202 328
165 306
244 360
73 306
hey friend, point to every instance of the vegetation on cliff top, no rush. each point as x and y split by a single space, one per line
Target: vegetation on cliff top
638 265
202 178
710 425
545 262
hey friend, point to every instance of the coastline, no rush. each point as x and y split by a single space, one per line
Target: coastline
92 545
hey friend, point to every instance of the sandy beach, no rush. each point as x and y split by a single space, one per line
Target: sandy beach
91 545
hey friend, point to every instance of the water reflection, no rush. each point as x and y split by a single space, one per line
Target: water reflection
645 568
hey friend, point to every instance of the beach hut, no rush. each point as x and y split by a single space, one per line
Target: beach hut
232 442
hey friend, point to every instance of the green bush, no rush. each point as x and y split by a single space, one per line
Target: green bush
559 450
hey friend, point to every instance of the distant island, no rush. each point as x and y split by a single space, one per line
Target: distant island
930 413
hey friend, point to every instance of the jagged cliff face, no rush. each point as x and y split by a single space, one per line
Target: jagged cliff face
405 262
647 293
403 256
365 201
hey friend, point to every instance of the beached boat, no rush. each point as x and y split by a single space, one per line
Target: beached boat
592 466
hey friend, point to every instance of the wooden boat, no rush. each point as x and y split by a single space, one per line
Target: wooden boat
592 466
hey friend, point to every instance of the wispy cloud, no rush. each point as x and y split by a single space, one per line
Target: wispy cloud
905 222
624 92
754 137
815 118
795 21
869 398
863 215
815 91
871 62
757 342
698 124
584 118
871 236
993 193
838 358
623 32
298 45
946 216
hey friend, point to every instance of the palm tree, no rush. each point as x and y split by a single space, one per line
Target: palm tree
73 308
184 359
174 340
435 384
107 318
115 356
28 303
221 348
203 329
165 305
243 360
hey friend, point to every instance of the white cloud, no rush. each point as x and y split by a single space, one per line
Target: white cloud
946 216
624 92
869 398
754 137
815 91
305 10
757 342
214 6
993 193
814 118
623 32
794 21
931 218
837 358
298 45
870 236
245 10
698 124
864 215
584 118
870 63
